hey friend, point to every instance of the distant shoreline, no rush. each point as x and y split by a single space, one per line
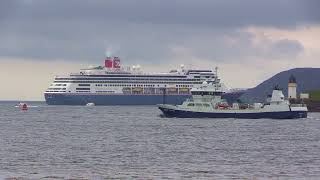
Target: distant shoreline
8 101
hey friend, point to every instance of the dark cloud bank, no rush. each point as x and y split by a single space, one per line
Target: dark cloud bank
148 30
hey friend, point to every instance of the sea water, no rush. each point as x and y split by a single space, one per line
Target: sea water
134 142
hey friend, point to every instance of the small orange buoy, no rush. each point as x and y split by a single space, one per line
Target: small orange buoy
24 107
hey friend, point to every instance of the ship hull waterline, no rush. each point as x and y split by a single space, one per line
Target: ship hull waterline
114 99
174 113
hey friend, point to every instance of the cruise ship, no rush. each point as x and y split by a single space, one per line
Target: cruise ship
112 84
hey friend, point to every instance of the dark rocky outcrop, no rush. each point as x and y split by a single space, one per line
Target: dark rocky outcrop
308 79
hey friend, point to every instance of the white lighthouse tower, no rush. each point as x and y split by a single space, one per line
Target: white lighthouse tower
292 88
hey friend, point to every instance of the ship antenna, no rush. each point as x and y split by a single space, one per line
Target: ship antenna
164 95
216 71
216 79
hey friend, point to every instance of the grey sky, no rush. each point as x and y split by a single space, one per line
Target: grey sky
214 13
246 38
146 30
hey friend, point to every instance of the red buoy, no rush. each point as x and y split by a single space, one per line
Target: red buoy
24 107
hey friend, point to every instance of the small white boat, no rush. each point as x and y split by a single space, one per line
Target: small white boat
90 104
20 105
23 106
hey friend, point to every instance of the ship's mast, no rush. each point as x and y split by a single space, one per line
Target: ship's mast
216 79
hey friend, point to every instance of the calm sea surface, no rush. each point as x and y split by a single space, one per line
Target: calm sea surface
134 142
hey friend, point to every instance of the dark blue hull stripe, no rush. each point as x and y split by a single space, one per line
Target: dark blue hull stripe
98 99
267 115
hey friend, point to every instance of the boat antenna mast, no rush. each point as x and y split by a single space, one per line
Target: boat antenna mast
216 78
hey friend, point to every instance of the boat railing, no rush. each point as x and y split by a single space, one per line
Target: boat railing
298 105
188 100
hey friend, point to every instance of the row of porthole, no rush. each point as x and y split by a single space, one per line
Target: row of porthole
198 104
58 84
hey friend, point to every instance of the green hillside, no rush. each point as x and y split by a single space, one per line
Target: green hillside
314 95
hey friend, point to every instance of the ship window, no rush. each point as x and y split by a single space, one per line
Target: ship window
82 88
82 91
191 104
54 88
206 105
84 84
198 104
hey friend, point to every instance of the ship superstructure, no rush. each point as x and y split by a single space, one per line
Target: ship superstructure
112 84
206 102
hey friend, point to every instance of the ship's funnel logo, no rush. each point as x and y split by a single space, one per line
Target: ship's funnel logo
108 62
116 62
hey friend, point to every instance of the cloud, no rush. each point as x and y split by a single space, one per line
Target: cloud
286 48
214 13
144 30
245 36
140 43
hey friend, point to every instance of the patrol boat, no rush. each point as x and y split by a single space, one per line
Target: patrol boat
206 102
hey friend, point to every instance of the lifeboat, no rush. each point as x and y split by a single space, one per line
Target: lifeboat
184 89
172 89
137 89
223 106
126 89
